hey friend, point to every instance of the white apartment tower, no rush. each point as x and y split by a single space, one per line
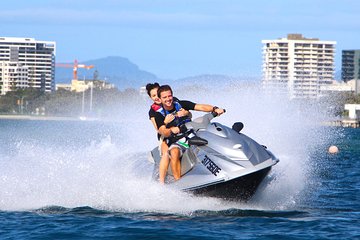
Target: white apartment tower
37 57
13 75
300 65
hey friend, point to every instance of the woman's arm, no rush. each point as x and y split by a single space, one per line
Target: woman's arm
154 123
169 118
182 113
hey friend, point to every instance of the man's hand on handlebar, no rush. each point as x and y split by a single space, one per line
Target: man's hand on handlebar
218 111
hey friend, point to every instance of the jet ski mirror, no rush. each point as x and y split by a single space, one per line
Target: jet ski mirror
197 141
238 126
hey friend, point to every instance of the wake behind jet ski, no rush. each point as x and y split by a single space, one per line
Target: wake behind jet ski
220 161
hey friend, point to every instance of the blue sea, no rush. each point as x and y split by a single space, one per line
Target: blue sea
91 179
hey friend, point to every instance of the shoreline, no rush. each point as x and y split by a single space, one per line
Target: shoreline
346 123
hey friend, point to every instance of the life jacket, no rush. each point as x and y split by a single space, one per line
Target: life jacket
178 120
155 106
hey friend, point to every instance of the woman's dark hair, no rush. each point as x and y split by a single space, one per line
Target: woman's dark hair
151 86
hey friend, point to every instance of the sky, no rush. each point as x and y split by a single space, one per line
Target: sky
180 38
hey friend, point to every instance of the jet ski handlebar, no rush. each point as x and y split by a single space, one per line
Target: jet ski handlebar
215 114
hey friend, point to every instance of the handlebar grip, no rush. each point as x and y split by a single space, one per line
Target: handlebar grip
183 128
215 114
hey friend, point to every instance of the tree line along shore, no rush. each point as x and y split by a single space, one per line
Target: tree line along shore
64 103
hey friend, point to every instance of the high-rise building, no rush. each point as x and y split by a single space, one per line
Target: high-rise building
298 65
350 67
38 57
13 76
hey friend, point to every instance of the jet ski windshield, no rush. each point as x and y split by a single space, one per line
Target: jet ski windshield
200 122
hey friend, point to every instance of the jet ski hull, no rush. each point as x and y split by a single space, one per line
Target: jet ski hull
241 188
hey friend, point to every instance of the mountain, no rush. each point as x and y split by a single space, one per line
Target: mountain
213 81
116 70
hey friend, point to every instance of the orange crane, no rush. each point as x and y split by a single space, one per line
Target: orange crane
75 67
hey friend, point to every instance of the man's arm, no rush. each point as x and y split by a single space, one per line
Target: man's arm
154 123
166 132
201 107
161 122
208 108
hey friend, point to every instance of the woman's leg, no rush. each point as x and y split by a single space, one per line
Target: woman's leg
164 162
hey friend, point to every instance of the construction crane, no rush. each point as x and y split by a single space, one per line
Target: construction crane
75 67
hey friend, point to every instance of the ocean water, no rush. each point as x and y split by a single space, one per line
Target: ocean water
91 179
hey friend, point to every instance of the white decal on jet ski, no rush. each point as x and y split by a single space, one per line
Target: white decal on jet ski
209 164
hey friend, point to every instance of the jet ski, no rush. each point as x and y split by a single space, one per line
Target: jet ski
220 162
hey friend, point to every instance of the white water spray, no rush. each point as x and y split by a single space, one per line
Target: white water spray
112 171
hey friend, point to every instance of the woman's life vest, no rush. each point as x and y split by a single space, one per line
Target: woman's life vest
155 106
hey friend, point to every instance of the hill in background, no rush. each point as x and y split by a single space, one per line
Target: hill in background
125 74
116 70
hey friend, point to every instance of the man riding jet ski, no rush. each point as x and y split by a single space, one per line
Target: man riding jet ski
220 161
168 118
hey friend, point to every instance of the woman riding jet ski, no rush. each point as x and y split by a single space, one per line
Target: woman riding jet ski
220 161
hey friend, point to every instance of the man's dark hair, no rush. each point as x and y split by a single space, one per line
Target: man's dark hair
164 88
151 86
